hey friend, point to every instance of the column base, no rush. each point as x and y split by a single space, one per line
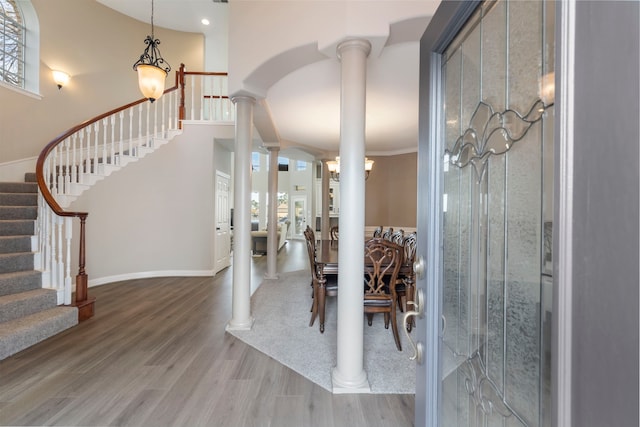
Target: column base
358 385
271 276
240 326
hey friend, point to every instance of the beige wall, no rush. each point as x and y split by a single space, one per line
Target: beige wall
391 191
97 47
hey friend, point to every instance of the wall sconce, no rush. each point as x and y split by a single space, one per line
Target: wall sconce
334 168
151 67
61 78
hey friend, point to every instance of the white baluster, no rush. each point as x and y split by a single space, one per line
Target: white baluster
46 253
146 139
164 122
218 91
192 91
131 131
54 170
81 166
112 121
47 171
68 227
96 140
155 121
120 143
40 228
139 129
201 98
74 169
104 141
60 263
52 249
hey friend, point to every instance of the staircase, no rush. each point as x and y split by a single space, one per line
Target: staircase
28 313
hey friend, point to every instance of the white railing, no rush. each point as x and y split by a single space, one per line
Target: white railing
91 151
206 98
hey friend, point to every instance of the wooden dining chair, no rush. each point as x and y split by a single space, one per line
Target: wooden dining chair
409 244
383 260
334 232
319 292
387 234
397 237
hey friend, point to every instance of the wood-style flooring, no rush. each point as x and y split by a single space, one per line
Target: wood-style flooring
156 354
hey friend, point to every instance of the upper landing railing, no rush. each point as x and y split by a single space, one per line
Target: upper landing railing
94 149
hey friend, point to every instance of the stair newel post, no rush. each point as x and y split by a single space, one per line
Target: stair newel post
181 113
83 302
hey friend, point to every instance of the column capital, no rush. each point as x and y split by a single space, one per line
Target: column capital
242 98
271 146
362 44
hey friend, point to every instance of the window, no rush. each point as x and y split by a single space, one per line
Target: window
283 164
12 44
255 162
301 165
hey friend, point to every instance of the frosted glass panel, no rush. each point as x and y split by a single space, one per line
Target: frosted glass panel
497 213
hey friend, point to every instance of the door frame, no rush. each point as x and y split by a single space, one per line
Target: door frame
443 27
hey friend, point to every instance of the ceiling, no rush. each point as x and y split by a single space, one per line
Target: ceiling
303 107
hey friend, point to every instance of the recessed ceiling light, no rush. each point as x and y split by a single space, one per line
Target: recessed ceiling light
205 21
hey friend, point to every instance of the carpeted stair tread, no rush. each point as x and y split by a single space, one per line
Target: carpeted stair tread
16 335
17 227
10 244
18 212
18 199
28 313
27 303
18 187
20 281
17 261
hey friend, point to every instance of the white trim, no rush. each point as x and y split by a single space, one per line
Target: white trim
564 284
150 274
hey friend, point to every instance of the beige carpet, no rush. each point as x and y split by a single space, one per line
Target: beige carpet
281 312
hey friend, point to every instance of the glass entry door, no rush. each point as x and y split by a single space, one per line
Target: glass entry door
299 206
496 222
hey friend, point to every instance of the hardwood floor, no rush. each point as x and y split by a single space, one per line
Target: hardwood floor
156 354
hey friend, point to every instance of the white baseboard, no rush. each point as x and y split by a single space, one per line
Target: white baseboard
150 274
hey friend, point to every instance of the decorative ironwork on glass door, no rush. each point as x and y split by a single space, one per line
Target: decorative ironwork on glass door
497 212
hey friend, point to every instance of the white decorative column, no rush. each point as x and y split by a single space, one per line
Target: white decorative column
272 220
325 222
241 318
349 376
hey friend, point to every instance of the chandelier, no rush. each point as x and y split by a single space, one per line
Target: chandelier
334 168
151 67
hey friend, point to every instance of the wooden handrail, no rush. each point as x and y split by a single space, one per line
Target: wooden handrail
82 301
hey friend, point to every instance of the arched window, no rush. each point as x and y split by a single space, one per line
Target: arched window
12 35
19 45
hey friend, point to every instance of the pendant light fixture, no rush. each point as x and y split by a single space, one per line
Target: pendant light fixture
151 67
334 168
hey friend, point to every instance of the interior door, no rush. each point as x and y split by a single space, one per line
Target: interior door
488 283
222 247
299 207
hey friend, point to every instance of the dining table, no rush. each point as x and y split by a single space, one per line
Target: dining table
327 261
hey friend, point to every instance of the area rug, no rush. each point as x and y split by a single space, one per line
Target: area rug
281 330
